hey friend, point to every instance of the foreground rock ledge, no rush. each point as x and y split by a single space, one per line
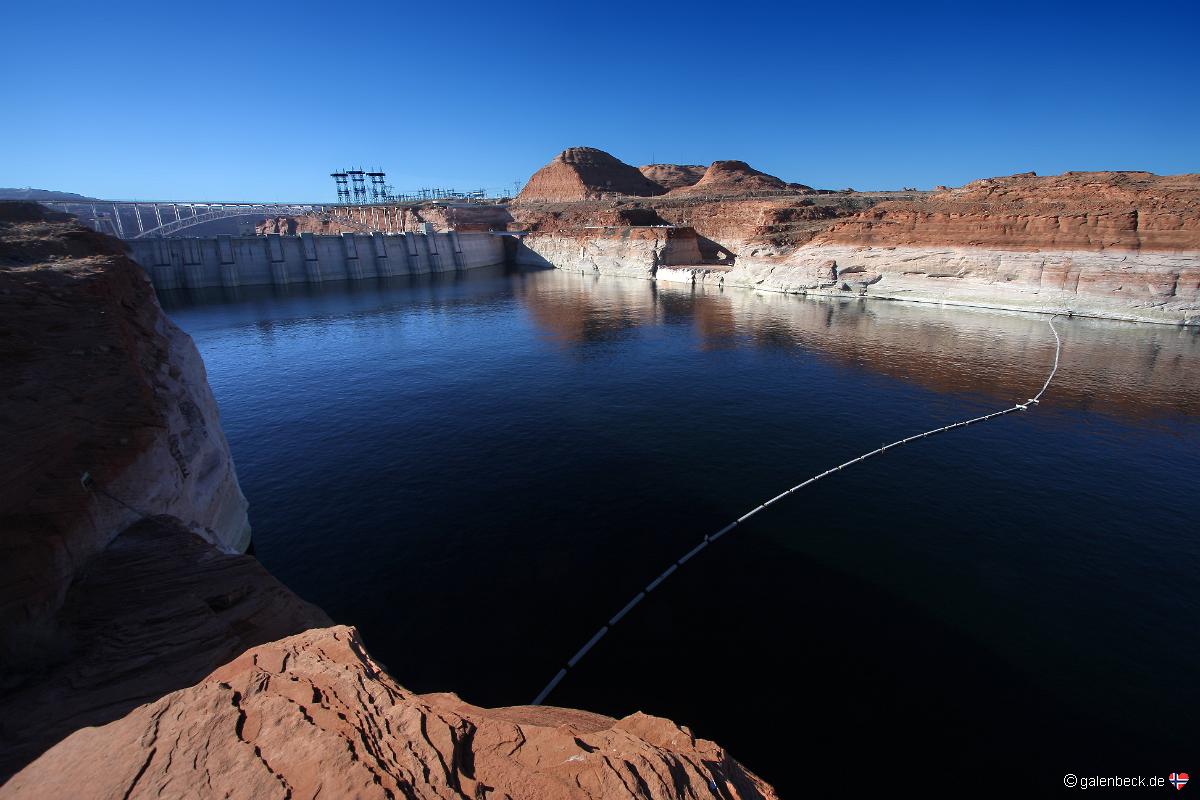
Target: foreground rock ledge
313 715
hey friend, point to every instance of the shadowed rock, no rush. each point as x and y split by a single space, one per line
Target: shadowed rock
156 611
94 379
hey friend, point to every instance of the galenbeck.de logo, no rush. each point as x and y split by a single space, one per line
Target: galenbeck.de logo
1178 779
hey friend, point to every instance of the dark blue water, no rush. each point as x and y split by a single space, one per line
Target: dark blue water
479 472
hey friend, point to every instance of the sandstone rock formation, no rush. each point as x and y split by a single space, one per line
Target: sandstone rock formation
1112 244
155 611
631 252
312 715
94 379
1109 244
1074 211
673 176
736 177
585 173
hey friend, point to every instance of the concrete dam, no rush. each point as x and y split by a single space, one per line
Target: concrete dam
275 259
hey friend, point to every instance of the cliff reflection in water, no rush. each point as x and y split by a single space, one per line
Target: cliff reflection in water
1129 369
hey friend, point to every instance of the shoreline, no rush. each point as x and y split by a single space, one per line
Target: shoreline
820 275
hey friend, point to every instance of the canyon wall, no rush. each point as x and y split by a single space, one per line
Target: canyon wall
1114 245
1120 245
97 382
635 252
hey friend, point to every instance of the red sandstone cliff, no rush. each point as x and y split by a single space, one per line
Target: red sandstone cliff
1072 211
1124 245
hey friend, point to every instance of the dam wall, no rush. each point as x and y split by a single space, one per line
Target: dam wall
274 259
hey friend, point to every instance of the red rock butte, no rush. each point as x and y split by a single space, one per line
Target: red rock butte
674 176
737 177
585 173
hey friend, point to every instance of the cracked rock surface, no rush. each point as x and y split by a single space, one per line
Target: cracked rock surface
313 715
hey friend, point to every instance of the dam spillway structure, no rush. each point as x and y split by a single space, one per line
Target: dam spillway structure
277 260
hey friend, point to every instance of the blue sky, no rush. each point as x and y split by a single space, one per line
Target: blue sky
217 100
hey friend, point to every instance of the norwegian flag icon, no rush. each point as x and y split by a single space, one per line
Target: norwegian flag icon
1178 779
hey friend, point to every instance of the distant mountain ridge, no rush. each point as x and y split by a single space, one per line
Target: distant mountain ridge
42 194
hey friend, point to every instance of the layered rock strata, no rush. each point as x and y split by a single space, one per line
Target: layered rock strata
585 173
1140 287
1113 245
736 178
313 715
635 252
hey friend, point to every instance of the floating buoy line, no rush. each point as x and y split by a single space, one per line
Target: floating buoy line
710 538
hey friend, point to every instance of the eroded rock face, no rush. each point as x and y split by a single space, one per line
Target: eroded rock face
313 715
673 176
585 173
1120 245
736 177
1073 211
94 379
157 610
629 251
1135 286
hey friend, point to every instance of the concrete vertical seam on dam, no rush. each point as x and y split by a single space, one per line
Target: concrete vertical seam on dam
274 259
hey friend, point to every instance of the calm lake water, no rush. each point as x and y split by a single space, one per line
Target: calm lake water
479 472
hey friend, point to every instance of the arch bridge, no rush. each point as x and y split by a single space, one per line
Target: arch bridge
130 219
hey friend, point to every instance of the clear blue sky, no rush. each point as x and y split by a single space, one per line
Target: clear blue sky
214 100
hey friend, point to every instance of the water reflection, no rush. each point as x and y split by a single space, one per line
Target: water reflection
1108 367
